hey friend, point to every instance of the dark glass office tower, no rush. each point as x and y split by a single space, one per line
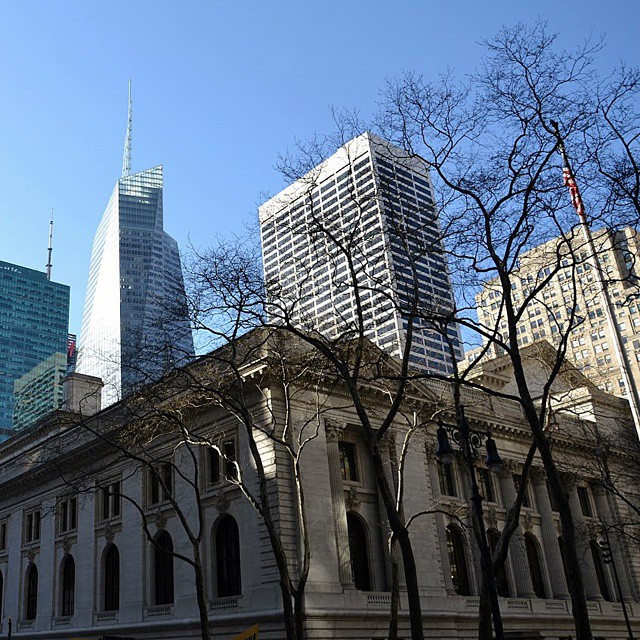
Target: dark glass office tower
135 324
34 323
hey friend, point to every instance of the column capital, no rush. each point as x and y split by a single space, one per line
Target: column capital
538 475
334 429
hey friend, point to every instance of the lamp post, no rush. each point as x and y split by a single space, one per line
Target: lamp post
469 441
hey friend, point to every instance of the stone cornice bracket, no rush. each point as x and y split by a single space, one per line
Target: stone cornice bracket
109 533
352 499
66 545
161 521
222 502
333 429
31 554
526 520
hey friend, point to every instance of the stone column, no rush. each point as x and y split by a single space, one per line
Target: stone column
517 551
589 576
441 530
333 433
549 535
620 557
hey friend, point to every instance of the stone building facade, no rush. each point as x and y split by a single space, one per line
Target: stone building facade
76 563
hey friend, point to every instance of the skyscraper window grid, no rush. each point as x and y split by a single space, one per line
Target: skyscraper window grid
362 225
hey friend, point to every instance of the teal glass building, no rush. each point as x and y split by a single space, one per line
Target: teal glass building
34 324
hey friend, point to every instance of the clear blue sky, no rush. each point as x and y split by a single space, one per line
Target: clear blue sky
219 89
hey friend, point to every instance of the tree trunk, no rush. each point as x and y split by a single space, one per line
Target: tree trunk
395 593
201 593
573 571
485 627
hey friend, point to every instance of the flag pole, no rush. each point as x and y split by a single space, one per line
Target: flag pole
609 310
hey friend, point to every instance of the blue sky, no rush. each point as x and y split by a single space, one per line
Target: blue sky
219 90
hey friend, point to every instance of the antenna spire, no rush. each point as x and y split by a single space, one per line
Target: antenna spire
50 249
126 159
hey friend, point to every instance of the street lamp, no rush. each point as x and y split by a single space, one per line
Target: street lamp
470 440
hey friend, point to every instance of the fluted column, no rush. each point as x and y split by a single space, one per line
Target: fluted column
589 576
603 509
517 551
333 433
549 535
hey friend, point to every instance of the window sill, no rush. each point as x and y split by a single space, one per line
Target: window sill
100 617
227 603
159 611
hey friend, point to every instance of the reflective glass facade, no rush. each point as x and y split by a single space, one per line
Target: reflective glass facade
34 322
135 324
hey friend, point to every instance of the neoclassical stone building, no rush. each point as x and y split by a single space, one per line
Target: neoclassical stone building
75 561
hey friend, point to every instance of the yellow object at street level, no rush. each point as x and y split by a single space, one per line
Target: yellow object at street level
249 634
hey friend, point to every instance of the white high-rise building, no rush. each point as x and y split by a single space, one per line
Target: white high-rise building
355 246
135 324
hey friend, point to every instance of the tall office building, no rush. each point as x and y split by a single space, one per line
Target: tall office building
590 345
135 324
362 224
34 322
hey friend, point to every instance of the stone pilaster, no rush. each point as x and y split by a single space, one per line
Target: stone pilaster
517 551
589 576
333 433
549 535
603 509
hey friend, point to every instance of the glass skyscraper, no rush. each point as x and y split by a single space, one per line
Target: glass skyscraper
135 324
34 324
355 246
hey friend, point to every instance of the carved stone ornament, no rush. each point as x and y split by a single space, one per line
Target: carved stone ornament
109 533
526 521
537 474
31 554
352 499
333 429
221 502
491 518
161 521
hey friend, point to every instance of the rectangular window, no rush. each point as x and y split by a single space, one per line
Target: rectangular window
348 462
215 468
486 485
446 480
32 526
67 514
585 502
111 501
156 491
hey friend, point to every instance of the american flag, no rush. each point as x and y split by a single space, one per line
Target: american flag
576 201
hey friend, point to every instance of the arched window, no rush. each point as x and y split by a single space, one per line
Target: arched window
68 585
535 568
111 573
600 573
502 583
31 599
359 552
228 558
457 561
163 569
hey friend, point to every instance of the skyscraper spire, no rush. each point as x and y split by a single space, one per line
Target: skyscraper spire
50 249
126 158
